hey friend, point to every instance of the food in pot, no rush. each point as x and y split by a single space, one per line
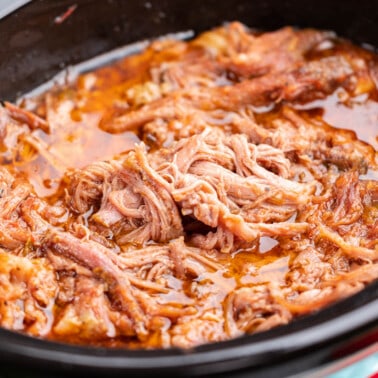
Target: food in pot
191 193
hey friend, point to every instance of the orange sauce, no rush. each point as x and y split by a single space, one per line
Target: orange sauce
77 110
76 140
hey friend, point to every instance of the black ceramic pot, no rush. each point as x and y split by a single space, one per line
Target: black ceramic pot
33 48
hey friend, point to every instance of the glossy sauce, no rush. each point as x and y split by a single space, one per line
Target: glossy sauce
76 140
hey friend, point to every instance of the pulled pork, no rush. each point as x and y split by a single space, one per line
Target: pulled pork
239 208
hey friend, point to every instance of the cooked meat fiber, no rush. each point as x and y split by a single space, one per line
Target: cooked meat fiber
218 181
315 79
191 193
89 185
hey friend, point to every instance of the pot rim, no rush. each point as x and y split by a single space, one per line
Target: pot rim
336 322
341 320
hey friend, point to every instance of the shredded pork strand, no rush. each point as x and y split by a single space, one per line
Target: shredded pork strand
227 202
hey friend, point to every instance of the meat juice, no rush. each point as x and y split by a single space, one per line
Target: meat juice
192 192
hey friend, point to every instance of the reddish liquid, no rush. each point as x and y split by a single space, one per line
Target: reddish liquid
75 112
